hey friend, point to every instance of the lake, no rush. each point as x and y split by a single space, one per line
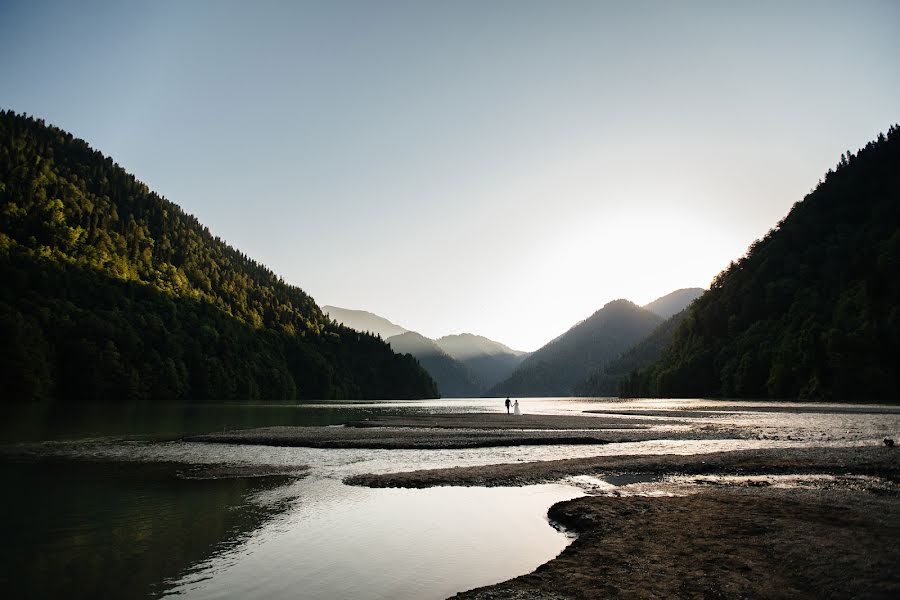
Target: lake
96 502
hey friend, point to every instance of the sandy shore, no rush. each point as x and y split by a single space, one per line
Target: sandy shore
505 421
469 430
722 532
730 534
859 460
241 471
721 544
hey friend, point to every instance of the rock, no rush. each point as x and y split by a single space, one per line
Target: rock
889 442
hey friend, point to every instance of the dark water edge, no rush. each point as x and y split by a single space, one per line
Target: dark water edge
162 421
103 530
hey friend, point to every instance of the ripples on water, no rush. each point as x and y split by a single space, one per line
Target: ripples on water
317 538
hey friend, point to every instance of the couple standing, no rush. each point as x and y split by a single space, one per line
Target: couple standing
516 410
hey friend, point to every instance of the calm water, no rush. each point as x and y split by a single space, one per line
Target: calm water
93 505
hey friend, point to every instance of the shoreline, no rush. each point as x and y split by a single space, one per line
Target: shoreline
855 460
744 543
468 430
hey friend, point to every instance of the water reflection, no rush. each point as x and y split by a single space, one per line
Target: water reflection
88 530
344 542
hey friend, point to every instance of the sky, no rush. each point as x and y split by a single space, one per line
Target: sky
500 168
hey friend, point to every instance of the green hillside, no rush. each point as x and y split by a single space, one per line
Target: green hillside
813 309
114 293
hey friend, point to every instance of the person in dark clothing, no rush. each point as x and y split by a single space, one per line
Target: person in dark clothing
507 405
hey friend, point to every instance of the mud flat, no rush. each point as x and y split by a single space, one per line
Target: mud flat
738 543
859 460
505 421
471 430
242 471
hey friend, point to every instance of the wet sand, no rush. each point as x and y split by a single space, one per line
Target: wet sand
719 539
725 534
241 471
468 430
721 544
857 460
505 421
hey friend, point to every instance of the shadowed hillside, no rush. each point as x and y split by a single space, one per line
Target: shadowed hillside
674 303
488 362
813 309
451 376
363 321
613 378
556 368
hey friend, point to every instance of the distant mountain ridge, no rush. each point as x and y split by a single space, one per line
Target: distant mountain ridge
462 365
556 368
452 377
674 303
488 361
364 321
614 378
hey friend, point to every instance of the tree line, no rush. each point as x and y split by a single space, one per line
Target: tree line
112 292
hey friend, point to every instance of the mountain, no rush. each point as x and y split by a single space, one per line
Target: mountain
557 367
813 309
674 303
463 365
613 378
489 362
361 320
452 378
112 293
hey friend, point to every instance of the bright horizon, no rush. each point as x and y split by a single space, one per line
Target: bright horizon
503 169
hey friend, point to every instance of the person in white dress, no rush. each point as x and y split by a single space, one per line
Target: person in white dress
516 409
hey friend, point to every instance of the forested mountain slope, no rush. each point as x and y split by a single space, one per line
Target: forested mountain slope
557 367
488 362
813 309
613 379
675 302
364 321
451 376
114 293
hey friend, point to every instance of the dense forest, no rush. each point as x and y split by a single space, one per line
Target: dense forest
556 368
813 309
114 293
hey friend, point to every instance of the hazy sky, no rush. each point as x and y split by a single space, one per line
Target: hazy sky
503 168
